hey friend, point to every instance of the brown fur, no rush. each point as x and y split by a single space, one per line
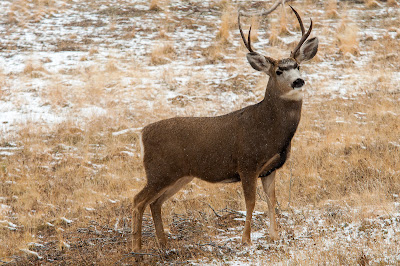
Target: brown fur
232 147
240 146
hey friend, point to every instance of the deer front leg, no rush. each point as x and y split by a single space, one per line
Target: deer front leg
268 183
249 183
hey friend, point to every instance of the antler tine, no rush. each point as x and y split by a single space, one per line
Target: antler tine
249 40
302 40
247 44
304 36
299 19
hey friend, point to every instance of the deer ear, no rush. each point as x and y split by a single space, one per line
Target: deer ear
308 50
259 62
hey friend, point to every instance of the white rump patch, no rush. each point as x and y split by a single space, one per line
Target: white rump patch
141 145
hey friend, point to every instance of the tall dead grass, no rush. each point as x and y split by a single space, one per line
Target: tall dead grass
346 150
347 37
162 53
22 11
63 172
331 9
342 151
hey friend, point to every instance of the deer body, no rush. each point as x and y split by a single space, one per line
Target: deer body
240 146
217 149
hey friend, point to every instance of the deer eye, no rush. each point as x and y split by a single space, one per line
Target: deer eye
278 72
298 67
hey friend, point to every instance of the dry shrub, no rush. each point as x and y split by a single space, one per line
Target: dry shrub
12 18
155 5
113 26
163 33
3 80
93 50
389 55
283 23
347 37
274 36
255 24
221 4
111 66
392 3
331 9
34 69
131 33
371 4
43 2
67 45
280 28
22 11
162 53
224 29
214 53
59 95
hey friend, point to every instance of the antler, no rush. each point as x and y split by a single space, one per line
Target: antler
248 43
304 36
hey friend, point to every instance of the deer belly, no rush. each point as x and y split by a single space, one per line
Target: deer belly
215 171
223 178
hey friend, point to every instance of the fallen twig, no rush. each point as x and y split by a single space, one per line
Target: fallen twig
216 214
141 254
268 11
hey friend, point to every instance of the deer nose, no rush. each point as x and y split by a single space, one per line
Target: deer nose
298 83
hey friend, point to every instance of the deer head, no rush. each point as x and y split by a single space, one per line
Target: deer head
284 73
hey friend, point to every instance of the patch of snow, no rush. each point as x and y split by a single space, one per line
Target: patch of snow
32 253
67 221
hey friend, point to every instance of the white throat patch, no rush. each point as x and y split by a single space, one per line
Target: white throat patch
293 95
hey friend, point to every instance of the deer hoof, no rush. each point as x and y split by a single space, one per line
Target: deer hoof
136 248
274 236
246 242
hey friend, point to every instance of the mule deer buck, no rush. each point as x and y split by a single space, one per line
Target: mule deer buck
237 147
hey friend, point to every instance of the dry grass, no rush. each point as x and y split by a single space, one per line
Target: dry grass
34 69
228 22
331 9
224 29
357 163
155 5
371 4
392 3
3 82
70 185
22 11
162 53
283 23
347 37
78 173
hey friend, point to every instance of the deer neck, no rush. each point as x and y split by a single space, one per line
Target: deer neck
285 110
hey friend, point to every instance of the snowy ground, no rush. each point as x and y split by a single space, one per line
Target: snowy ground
75 60
58 41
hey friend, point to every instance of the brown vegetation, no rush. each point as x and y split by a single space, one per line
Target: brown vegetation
68 185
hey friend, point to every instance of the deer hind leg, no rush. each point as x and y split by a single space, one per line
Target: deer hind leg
141 200
268 183
249 183
156 208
